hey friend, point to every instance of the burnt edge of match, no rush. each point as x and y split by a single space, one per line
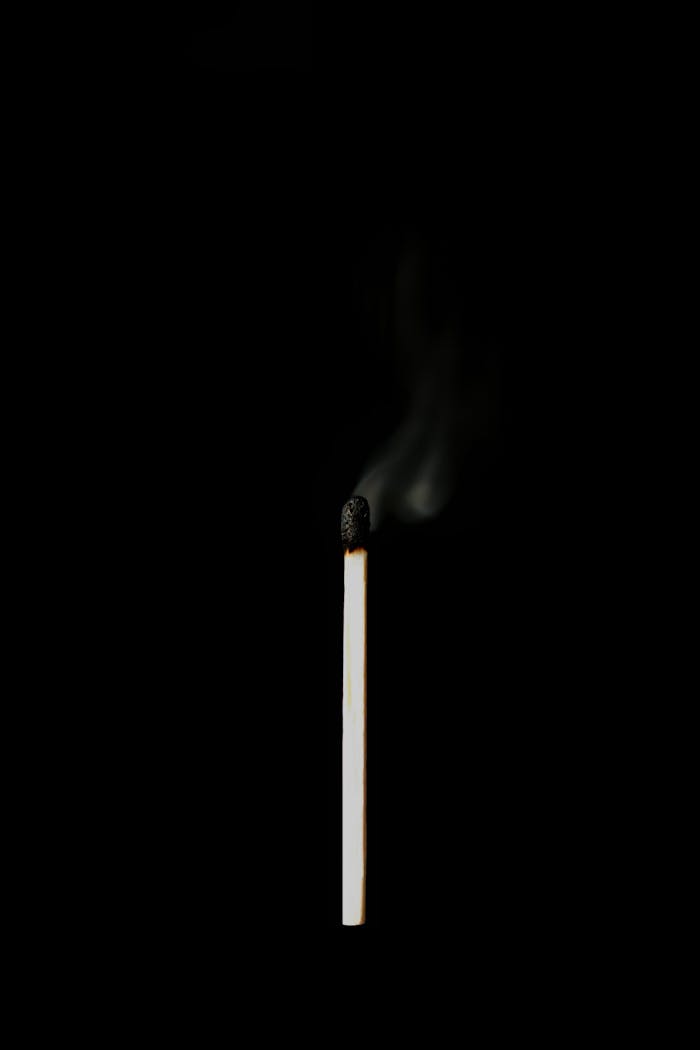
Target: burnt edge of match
354 523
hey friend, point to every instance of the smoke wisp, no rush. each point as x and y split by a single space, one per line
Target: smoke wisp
447 394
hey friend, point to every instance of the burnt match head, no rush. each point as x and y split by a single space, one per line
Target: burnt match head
354 523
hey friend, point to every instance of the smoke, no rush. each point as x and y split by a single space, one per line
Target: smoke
413 475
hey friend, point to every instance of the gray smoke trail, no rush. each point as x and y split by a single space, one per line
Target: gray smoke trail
413 475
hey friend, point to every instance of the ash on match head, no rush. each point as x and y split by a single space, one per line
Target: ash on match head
354 523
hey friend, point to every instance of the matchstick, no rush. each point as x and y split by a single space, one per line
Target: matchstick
354 530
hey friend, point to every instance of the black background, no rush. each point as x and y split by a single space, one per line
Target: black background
253 213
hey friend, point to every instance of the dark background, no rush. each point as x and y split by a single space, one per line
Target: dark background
254 213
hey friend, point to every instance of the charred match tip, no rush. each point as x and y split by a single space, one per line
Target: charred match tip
354 523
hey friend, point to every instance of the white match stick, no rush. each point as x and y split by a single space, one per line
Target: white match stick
354 530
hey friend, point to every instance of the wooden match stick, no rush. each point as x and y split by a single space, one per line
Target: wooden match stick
354 531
